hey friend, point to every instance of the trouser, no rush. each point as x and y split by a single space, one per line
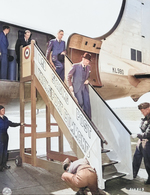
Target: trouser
59 69
18 62
83 178
4 66
3 149
84 100
143 150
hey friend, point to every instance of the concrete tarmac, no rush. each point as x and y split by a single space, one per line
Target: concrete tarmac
33 180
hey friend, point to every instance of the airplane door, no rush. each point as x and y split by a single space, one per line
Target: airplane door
77 46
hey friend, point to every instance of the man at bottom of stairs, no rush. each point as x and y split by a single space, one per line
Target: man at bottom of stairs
79 175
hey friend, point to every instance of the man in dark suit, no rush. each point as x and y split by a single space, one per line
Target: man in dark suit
57 47
22 41
4 52
80 73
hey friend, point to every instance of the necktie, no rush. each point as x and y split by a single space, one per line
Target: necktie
84 67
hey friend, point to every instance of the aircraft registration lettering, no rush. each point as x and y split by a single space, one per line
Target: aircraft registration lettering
118 71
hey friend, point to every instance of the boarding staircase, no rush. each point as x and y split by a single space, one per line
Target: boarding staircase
104 140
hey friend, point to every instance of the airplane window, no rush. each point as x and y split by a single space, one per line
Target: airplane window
86 43
136 55
139 56
94 45
133 54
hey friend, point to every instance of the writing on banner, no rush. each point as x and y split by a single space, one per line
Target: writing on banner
75 122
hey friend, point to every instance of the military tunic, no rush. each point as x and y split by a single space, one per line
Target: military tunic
56 48
4 53
4 125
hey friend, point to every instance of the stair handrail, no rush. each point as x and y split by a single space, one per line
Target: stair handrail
106 104
111 110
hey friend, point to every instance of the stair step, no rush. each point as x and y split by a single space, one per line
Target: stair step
109 163
113 176
105 150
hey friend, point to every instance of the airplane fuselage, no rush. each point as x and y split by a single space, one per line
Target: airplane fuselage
120 58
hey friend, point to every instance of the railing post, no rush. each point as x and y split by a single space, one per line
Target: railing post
22 121
32 57
61 141
33 122
33 108
48 127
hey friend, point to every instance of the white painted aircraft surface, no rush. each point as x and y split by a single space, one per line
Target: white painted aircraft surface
123 59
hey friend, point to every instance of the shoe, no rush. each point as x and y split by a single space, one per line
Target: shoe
80 192
7 167
134 176
147 182
86 191
1 169
102 192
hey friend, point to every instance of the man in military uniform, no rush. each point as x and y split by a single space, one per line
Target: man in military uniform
143 146
4 52
55 53
4 125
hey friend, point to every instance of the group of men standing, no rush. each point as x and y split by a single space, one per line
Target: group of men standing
79 85
78 174
5 57
55 54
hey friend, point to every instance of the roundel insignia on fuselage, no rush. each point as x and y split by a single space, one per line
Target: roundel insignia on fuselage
27 52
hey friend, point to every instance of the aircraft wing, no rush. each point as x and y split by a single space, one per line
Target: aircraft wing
142 76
